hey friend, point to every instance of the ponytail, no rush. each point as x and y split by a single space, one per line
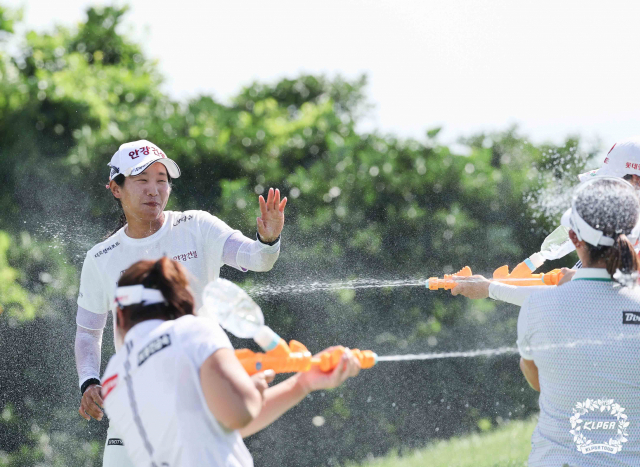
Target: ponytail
621 257
171 279
165 275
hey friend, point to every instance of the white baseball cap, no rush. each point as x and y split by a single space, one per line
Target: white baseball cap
133 158
622 159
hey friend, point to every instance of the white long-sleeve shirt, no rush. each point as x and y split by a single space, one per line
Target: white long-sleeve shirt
202 243
513 293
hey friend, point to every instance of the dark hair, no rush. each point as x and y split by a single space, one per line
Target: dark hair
170 278
613 207
122 220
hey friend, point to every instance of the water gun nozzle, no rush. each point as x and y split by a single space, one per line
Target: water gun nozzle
448 282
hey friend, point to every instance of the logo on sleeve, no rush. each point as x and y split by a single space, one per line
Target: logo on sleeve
115 442
153 347
631 317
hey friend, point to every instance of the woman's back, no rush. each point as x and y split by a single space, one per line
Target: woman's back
153 395
586 349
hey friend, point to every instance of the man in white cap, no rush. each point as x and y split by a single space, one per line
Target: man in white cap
140 181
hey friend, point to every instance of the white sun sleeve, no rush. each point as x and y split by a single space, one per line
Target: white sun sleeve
245 254
88 344
512 293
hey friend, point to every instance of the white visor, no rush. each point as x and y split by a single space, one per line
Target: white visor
572 220
134 294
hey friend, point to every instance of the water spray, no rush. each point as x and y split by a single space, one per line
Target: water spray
556 245
236 312
241 316
232 307
268 290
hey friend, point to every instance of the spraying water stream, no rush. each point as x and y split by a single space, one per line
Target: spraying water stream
506 350
311 287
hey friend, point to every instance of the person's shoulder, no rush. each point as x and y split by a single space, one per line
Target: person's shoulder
102 249
191 323
630 293
543 299
564 295
189 327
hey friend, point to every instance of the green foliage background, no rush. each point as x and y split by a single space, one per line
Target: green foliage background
361 206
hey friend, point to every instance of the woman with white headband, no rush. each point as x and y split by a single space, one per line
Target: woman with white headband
176 393
140 181
623 161
580 343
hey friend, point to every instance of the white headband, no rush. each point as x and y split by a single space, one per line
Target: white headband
587 233
572 220
134 294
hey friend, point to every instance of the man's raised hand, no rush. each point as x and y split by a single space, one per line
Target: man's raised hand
271 220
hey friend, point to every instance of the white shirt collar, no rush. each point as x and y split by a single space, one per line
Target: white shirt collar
591 274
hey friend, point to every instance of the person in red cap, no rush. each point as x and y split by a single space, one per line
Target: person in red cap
140 181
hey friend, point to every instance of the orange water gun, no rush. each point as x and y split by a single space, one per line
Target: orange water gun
521 275
295 357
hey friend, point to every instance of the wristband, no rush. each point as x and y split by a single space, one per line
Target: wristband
267 243
88 383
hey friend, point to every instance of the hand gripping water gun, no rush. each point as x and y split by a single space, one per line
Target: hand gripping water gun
295 357
555 246
241 316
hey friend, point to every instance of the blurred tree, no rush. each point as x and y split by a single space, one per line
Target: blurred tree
14 299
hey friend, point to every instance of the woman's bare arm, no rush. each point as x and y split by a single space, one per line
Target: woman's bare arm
231 395
530 372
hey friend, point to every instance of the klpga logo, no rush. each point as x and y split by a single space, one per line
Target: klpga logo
615 430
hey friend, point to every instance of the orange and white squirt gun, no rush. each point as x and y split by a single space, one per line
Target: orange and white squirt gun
236 312
556 245
295 357
521 275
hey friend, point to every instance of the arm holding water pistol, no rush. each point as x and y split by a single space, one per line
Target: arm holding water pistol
482 287
516 286
236 312
512 287
280 398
